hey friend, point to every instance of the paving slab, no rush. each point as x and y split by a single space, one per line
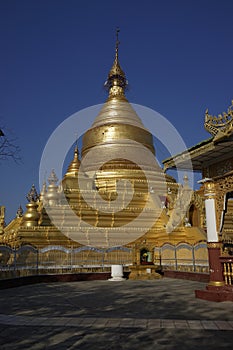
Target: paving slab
159 314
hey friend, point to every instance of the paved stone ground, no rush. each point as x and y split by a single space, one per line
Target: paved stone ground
94 315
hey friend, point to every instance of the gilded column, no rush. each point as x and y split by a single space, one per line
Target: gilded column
214 246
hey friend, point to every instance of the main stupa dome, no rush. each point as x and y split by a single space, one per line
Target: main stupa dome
117 131
121 187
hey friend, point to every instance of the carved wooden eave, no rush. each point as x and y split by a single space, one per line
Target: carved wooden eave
212 151
213 157
182 160
202 155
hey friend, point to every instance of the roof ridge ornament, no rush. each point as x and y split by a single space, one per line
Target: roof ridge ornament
222 125
116 82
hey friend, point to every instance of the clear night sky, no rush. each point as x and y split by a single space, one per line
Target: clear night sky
56 54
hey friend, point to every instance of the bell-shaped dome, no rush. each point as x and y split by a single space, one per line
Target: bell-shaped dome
117 128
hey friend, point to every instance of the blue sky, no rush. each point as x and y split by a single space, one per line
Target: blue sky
56 54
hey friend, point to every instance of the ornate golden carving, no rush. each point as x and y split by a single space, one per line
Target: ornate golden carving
223 186
197 200
214 245
209 189
221 125
221 168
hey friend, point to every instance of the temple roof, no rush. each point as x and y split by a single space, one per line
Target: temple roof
216 148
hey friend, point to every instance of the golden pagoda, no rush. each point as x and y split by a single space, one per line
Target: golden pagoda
116 195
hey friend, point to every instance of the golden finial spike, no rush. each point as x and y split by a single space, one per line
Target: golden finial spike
117 41
76 140
116 82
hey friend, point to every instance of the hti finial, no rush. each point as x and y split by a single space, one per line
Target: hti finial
116 82
76 139
117 40
76 152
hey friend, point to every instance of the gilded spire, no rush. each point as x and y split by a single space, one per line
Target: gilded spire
51 194
116 82
74 165
31 217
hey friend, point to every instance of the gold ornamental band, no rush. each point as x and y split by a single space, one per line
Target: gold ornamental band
216 283
210 196
209 190
214 245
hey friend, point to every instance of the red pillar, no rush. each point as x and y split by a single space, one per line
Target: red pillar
216 269
215 290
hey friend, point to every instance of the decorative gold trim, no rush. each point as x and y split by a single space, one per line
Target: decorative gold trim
209 189
210 196
214 245
216 283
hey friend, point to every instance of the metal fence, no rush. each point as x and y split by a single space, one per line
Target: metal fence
183 257
27 260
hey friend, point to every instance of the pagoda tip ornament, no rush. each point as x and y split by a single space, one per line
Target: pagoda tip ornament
116 82
52 180
19 212
32 195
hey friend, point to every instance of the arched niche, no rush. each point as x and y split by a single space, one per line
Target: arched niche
145 256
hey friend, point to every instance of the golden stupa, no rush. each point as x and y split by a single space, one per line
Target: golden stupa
115 195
